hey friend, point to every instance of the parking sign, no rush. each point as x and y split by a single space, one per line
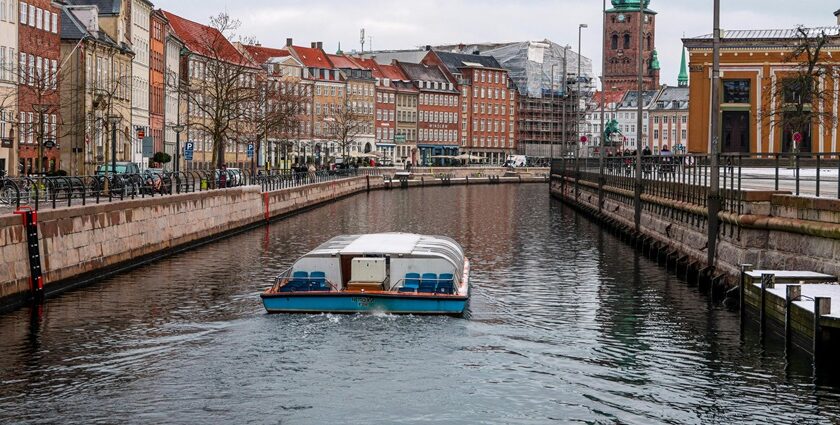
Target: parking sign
188 151
250 150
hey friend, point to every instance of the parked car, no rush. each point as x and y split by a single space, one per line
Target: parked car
124 177
121 168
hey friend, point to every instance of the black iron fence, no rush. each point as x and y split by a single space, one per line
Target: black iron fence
687 177
65 191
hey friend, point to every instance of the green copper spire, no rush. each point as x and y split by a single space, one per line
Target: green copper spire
629 5
682 80
654 61
339 52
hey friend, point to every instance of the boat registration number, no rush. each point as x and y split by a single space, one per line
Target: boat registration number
363 301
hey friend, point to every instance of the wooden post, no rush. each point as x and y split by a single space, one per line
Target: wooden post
822 307
792 293
766 283
742 291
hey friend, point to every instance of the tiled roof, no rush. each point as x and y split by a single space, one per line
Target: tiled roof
343 62
262 54
364 63
393 73
770 34
455 61
206 41
613 96
312 57
423 72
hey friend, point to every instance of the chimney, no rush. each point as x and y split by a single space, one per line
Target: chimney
476 52
320 45
313 45
289 42
837 14
88 16
428 47
258 44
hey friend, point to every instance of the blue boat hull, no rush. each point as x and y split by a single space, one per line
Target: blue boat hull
363 303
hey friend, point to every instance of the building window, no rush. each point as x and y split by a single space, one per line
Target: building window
626 41
614 44
736 91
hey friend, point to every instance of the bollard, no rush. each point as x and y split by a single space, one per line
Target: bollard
792 293
822 307
767 281
742 290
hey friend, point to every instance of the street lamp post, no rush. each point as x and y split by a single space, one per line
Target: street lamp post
178 129
639 111
114 120
578 115
714 172
551 114
602 144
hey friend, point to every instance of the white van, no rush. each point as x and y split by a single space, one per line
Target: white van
516 161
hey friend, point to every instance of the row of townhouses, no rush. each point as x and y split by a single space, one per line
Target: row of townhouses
87 82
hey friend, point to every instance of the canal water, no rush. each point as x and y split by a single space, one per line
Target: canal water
566 323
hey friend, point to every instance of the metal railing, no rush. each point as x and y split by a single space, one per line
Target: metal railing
66 191
686 177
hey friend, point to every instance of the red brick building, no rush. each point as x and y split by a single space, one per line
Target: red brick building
621 48
39 46
438 109
157 82
489 107
406 102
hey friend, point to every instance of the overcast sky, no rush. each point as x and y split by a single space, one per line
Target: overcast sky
397 24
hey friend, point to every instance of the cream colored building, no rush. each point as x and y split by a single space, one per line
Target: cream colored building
141 11
8 86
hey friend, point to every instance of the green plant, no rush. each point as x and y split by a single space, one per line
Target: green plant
162 157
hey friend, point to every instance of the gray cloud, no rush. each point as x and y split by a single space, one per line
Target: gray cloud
405 24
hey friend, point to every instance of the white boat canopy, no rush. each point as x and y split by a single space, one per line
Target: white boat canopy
394 244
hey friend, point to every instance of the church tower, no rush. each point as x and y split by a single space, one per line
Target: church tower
621 50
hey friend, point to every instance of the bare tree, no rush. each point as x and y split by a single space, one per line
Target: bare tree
803 95
221 89
345 125
278 113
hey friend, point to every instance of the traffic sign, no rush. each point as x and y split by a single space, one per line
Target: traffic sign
250 150
797 137
583 139
188 151
148 147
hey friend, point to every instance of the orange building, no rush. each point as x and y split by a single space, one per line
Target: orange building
754 66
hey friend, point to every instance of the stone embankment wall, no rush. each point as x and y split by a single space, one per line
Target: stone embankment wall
773 231
83 240
82 243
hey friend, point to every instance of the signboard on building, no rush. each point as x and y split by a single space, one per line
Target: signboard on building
399 138
6 142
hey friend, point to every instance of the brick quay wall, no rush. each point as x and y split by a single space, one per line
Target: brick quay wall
81 244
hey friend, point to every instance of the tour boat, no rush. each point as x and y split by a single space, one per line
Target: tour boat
397 273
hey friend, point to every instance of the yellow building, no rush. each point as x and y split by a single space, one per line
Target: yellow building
758 98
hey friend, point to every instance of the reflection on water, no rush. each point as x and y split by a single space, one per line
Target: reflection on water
565 323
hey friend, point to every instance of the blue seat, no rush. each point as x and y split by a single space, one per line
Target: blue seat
300 274
428 283
407 289
412 280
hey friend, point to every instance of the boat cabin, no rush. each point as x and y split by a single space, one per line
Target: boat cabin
389 262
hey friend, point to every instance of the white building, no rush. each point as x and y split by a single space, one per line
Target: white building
172 105
140 17
626 114
8 85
